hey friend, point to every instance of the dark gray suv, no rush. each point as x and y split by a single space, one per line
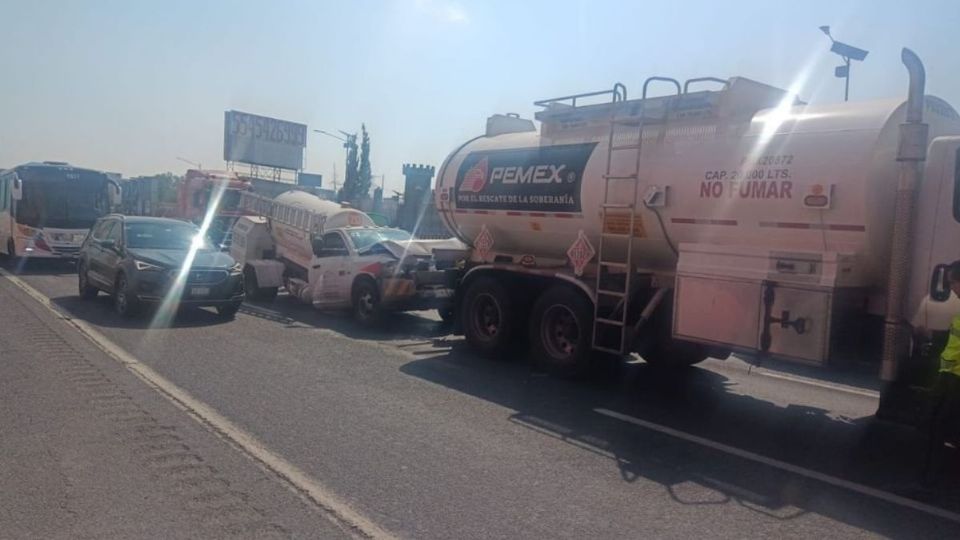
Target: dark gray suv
144 260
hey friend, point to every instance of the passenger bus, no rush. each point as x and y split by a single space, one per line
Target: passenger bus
47 208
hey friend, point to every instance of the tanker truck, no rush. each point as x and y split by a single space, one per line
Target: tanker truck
709 220
336 257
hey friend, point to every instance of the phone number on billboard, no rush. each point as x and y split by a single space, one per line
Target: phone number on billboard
268 129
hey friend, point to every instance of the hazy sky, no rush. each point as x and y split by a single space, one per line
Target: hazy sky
129 85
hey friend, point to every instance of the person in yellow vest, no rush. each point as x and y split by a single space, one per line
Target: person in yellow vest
945 427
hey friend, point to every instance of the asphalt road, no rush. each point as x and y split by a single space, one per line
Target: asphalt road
415 433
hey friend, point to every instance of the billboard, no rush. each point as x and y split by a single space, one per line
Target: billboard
259 140
310 179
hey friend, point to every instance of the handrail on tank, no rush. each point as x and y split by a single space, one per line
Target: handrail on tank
617 93
686 85
646 84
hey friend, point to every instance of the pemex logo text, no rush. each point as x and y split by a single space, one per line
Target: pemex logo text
476 178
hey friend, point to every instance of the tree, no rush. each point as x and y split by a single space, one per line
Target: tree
350 189
358 178
365 176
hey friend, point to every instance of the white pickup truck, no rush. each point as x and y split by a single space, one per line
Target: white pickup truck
335 257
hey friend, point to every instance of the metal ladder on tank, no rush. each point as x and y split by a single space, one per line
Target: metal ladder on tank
617 318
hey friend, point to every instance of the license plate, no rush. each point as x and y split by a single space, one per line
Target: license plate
199 291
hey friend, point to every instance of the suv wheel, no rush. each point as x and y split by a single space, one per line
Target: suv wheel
87 291
124 303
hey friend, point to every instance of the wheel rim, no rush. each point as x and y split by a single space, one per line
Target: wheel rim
560 332
366 302
121 295
486 317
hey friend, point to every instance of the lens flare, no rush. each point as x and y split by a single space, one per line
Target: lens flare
168 308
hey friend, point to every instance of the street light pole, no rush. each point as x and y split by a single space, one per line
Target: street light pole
848 53
846 84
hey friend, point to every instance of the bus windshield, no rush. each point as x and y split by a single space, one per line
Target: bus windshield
61 198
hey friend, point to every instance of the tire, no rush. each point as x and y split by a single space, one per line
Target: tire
664 352
488 318
84 289
123 302
11 255
447 314
254 291
673 354
561 327
228 312
365 299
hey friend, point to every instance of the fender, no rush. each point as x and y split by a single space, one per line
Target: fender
545 273
269 272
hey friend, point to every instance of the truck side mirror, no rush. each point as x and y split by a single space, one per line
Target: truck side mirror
317 245
940 284
17 189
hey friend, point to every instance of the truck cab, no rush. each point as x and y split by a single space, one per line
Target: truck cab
336 258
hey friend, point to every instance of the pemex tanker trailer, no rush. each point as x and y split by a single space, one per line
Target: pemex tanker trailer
709 221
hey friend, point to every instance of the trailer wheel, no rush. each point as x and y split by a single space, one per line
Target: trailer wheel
366 302
447 314
254 291
488 317
561 326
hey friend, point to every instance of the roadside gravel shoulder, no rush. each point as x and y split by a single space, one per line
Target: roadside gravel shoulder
89 450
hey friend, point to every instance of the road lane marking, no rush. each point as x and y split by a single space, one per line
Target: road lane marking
741 364
787 467
295 478
829 386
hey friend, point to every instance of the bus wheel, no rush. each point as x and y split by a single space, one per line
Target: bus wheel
87 291
488 317
560 329
11 254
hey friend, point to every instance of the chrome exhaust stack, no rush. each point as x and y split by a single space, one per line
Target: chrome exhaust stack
911 153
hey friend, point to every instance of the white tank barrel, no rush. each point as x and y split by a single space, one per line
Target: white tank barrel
746 165
291 230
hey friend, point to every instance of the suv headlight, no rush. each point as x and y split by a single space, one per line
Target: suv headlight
236 268
147 267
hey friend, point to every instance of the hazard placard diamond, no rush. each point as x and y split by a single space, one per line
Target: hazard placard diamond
483 243
580 253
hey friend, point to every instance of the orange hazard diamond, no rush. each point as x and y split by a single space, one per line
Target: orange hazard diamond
483 243
580 253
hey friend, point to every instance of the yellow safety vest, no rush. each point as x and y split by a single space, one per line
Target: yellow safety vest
950 358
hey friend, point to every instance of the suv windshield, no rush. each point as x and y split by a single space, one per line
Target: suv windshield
159 235
364 238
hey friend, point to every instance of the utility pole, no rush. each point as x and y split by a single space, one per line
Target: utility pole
848 53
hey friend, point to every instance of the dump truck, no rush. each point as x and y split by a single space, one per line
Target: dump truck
701 222
335 257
